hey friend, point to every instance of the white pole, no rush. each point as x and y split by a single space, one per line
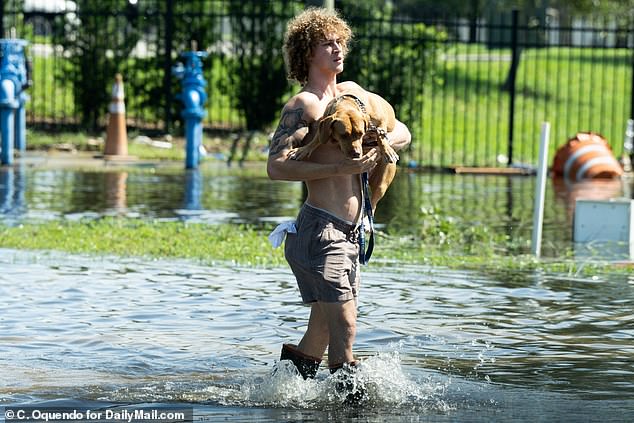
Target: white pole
329 4
540 190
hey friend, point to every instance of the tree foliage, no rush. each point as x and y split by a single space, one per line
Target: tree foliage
422 9
396 73
258 65
93 61
430 9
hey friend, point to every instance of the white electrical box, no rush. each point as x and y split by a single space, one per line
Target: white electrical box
607 225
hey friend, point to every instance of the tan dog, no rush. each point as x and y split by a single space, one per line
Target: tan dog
346 120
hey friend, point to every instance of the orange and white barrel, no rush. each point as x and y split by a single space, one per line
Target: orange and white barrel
116 134
586 156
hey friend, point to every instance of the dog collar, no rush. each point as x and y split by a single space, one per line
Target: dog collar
356 99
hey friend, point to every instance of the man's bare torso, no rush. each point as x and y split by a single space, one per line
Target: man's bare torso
340 195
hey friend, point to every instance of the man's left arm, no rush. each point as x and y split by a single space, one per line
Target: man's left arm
399 137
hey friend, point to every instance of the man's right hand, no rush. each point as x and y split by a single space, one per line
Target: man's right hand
360 165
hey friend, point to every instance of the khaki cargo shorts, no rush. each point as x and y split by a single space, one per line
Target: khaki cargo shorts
324 256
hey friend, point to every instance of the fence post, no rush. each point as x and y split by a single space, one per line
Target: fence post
1 18
514 65
540 190
473 21
632 90
167 65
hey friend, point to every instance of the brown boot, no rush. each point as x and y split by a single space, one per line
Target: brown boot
355 393
307 366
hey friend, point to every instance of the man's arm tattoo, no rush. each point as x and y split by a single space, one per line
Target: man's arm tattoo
290 122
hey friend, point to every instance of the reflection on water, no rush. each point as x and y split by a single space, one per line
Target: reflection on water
591 189
215 193
448 345
115 190
12 190
193 189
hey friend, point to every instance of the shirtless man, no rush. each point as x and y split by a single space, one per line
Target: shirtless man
324 252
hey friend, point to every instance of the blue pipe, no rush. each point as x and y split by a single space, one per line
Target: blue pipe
192 148
193 97
193 113
13 80
7 121
20 124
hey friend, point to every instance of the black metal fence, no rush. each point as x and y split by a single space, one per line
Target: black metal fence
473 92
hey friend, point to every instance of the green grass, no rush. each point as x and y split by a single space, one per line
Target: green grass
466 113
39 140
83 142
228 243
248 245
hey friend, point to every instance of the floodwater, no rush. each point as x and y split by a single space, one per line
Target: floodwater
113 334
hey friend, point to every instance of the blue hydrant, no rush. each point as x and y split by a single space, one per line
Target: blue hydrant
14 79
193 97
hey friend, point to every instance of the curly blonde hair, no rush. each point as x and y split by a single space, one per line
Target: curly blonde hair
304 31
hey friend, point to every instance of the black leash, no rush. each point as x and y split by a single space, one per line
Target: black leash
364 255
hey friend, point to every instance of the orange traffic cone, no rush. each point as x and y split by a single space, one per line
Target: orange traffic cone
116 135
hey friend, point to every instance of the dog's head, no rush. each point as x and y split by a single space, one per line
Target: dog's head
346 125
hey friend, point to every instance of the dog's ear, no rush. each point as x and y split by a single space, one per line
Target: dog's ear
325 130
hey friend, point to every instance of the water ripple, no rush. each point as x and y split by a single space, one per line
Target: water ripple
124 329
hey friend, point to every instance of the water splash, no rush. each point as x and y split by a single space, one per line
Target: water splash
380 376
284 387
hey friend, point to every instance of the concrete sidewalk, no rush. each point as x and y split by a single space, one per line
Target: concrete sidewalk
79 160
